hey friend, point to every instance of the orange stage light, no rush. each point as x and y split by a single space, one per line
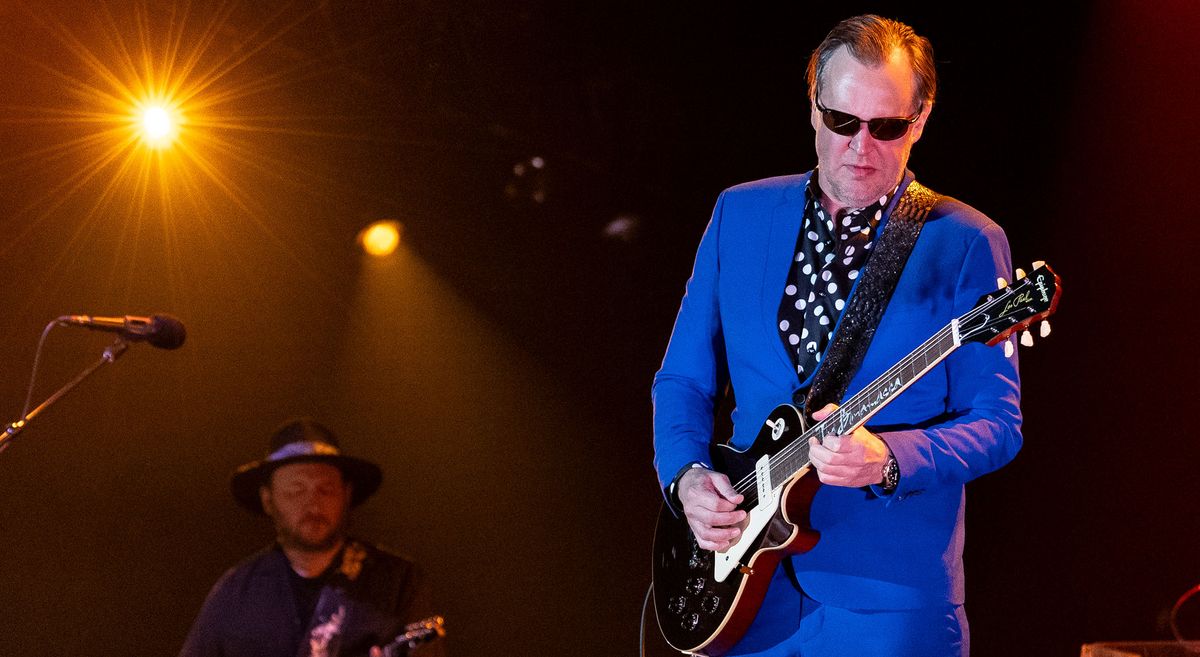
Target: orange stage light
380 238
158 125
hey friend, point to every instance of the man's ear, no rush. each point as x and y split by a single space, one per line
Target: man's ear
264 496
919 127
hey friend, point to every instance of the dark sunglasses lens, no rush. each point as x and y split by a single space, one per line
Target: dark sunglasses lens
887 129
840 122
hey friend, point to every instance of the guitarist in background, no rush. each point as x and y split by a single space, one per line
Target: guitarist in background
774 271
315 592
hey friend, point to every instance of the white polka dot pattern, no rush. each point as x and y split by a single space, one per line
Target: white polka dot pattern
813 314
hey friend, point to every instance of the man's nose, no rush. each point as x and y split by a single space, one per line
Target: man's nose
861 139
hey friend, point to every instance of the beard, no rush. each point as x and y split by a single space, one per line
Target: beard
311 533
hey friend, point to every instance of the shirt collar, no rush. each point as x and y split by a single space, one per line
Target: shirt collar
850 219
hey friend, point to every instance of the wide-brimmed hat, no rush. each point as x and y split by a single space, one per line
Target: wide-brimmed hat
296 441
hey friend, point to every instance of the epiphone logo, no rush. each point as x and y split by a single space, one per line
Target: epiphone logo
1041 286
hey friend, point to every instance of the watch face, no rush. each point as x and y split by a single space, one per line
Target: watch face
891 473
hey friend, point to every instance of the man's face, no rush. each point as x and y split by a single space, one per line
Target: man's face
308 502
857 170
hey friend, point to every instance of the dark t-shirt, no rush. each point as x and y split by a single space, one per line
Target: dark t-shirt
307 591
258 609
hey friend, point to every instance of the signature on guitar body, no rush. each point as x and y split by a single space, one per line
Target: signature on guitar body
704 600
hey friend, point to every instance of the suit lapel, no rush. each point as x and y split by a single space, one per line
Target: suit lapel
781 248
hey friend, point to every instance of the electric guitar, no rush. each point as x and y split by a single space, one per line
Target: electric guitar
415 634
706 600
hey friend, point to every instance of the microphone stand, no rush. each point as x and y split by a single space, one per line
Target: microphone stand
111 353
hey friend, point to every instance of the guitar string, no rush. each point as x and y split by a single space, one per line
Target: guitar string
920 352
747 482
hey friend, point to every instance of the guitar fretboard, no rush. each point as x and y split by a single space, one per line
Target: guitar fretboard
995 317
859 408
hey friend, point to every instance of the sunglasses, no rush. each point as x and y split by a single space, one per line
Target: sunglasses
884 129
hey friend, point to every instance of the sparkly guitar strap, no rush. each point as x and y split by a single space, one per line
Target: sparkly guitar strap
865 308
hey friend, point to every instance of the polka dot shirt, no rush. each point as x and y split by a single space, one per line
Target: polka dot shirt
830 253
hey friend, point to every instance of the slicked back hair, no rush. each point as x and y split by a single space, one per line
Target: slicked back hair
871 40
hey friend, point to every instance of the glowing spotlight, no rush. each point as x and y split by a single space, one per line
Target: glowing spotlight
380 238
158 125
624 228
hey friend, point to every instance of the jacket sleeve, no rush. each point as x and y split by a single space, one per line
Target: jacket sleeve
204 639
981 430
693 370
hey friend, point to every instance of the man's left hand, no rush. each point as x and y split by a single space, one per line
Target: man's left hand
854 461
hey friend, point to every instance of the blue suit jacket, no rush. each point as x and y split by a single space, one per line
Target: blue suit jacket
959 421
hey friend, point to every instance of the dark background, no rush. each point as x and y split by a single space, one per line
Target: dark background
498 366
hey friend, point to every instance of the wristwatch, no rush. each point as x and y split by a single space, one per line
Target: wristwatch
891 474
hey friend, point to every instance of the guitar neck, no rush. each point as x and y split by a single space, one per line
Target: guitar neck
871 399
415 634
856 410
995 317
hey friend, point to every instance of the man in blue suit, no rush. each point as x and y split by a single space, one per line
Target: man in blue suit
779 261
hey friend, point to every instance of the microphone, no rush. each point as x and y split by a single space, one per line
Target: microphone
162 331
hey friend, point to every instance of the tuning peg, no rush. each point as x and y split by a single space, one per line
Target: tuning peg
1008 348
1000 282
1038 264
1020 273
1026 339
1044 330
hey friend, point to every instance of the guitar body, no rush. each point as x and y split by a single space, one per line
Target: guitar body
706 600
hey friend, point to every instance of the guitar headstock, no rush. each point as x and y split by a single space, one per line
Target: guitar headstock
422 631
1014 307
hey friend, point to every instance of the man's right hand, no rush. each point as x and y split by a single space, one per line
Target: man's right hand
710 505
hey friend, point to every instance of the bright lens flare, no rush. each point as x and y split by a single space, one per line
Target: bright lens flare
157 125
380 238
173 115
